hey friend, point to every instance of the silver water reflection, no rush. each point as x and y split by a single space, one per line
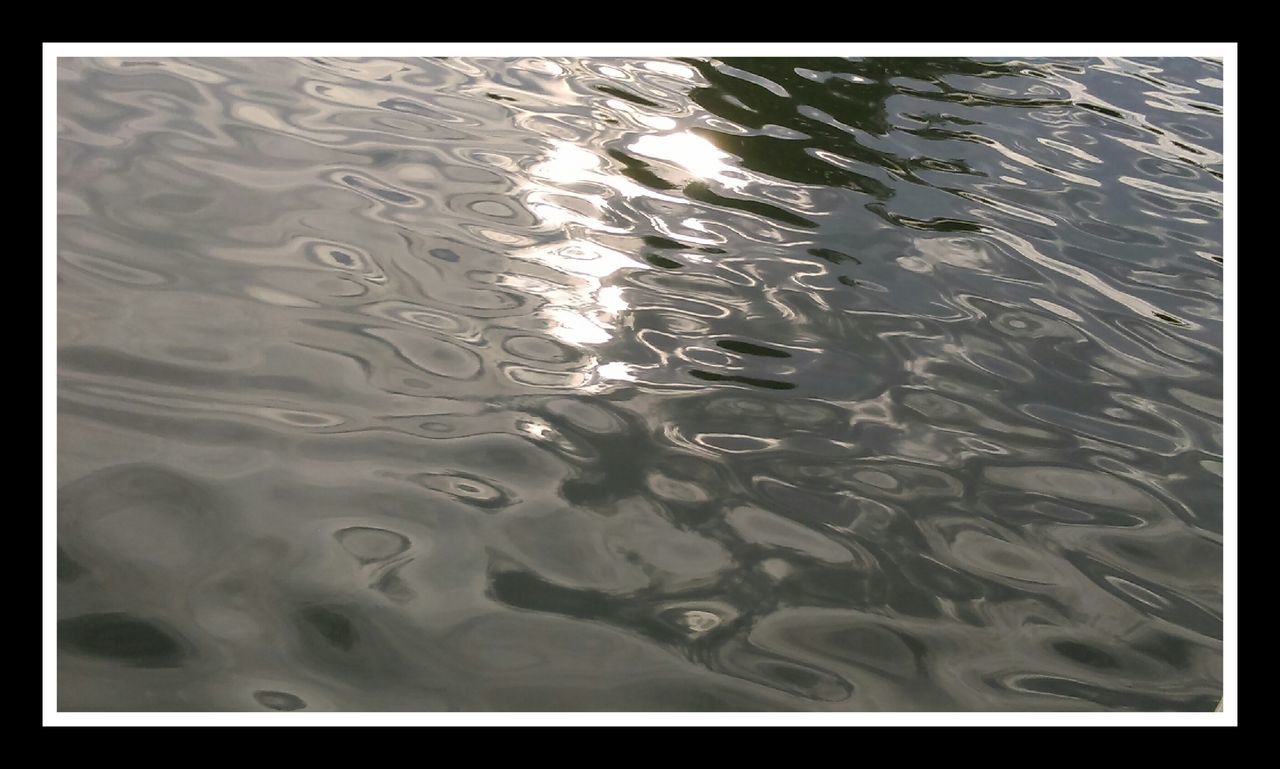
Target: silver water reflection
531 384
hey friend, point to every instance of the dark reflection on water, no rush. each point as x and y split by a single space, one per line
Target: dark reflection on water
765 384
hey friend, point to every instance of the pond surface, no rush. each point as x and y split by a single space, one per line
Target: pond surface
640 384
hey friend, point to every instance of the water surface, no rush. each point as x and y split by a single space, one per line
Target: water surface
639 384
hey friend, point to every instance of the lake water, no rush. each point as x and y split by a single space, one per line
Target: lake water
774 384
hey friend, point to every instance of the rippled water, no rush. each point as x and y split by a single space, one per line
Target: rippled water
569 384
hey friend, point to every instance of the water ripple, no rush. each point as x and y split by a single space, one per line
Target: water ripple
577 384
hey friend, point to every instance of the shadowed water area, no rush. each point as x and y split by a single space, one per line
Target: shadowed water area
639 384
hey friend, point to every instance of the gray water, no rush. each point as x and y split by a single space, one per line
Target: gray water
639 384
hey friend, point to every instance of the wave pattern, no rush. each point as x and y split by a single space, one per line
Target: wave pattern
550 384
